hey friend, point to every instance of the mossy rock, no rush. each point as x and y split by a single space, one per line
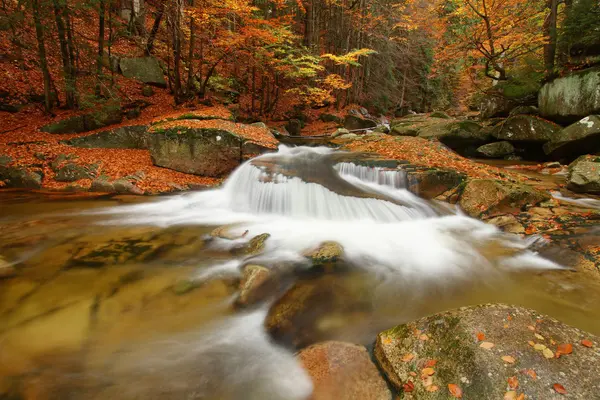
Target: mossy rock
330 118
482 366
71 172
439 114
19 176
257 284
492 197
127 137
582 137
257 244
496 150
144 69
354 123
325 254
85 122
526 128
432 183
584 175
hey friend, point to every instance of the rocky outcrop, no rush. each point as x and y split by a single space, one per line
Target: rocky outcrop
354 122
127 137
19 176
85 122
144 69
505 97
207 152
489 352
525 128
343 371
571 97
584 175
491 197
496 150
579 138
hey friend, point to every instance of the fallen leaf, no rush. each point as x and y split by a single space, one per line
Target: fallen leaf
564 349
433 388
427 381
540 337
539 347
430 363
552 342
455 390
512 395
531 343
413 374
408 357
508 359
427 372
548 353
408 387
505 326
509 317
424 337
531 373
513 382
486 345
587 343
558 388
531 327
521 396
480 336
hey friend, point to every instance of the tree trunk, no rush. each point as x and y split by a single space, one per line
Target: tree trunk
551 33
101 13
66 59
39 33
176 28
190 77
155 27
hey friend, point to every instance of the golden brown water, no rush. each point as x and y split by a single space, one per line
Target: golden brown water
98 312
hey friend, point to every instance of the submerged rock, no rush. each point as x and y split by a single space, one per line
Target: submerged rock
584 175
255 246
582 137
487 351
496 150
201 151
343 371
571 97
526 128
491 197
325 254
256 285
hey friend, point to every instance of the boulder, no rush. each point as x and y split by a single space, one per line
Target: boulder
147 91
325 254
340 132
524 110
496 150
71 172
201 151
584 175
582 137
85 122
525 128
349 136
144 69
506 96
490 351
464 137
355 122
126 137
572 97
330 118
255 246
122 186
294 127
433 182
19 176
508 223
491 197
343 371
256 285
400 130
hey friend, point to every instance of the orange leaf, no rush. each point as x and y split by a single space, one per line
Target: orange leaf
427 372
513 382
424 337
521 396
508 359
531 373
558 388
480 336
408 387
587 343
430 363
455 390
512 395
564 349
433 388
408 357
486 345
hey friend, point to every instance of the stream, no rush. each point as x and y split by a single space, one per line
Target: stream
128 297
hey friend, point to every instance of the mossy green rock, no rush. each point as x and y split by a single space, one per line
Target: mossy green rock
582 137
439 114
19 176
85 122
496 150
571 97
584 175
491 197
478 367
127 137
526 128
207 151
144 69
71 172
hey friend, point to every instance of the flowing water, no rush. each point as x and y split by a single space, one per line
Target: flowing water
127 298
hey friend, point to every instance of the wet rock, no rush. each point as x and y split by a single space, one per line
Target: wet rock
325 254
572 97
205 152
318 309
434 182
71 172
508 223
226 232
584 175
343 371
496 150
19 176
491 197
256 285
503 361
355 122
580 138
255 246
526 128
439 114
144 69
7 270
